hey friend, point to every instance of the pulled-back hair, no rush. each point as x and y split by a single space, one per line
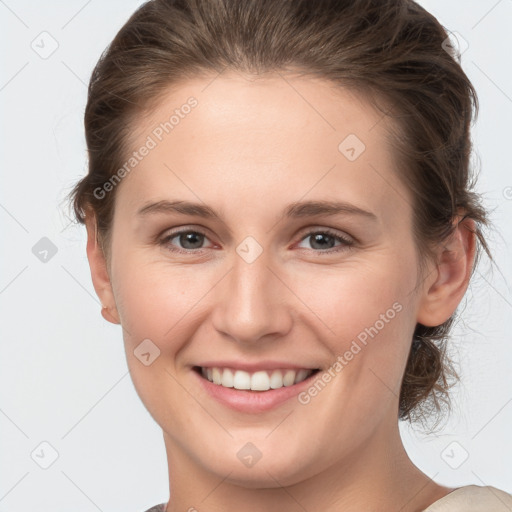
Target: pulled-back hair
393 52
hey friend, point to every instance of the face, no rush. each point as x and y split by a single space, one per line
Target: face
298 255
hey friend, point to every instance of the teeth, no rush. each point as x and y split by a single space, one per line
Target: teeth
276 379
227 378
301 375
216 376
241 380
289 378
258 381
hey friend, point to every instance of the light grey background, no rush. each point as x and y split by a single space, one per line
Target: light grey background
64 378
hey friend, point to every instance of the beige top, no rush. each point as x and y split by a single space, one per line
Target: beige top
473 498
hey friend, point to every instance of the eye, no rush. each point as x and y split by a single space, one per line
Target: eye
190 240
324 240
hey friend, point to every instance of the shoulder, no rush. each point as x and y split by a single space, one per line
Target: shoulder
473 498
157 508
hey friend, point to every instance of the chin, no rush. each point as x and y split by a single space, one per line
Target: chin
275 467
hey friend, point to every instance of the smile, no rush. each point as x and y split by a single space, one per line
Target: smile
261 380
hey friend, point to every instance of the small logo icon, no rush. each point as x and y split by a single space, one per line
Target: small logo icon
44 45
455 44
352 147
249 249
146 352
44 250
454 455
249 455
44 455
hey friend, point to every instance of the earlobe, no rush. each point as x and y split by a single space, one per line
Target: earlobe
99 273
105 313
443 293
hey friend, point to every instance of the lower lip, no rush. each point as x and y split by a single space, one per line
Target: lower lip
252 401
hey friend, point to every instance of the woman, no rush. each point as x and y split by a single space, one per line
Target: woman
279 215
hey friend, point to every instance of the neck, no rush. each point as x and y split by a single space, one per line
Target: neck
376 476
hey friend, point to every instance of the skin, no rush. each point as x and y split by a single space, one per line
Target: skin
248 149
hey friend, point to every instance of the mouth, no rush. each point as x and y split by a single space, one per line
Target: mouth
259 380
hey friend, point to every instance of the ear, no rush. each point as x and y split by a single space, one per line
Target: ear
99 272
450 278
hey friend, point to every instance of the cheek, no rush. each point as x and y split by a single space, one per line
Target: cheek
157 300
370 316
358 303
158 303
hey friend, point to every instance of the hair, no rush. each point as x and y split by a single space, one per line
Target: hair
392 52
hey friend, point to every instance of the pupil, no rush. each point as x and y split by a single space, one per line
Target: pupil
189 238
317 238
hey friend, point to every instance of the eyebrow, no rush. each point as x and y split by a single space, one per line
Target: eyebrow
294 210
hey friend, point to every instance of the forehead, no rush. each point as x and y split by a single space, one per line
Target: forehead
267 137
262 107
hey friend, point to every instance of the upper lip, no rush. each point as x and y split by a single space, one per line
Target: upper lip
253 367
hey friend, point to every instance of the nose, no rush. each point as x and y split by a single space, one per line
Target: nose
252 302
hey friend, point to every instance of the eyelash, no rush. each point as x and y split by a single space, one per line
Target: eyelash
346 242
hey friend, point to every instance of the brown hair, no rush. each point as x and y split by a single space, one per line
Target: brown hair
392 51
